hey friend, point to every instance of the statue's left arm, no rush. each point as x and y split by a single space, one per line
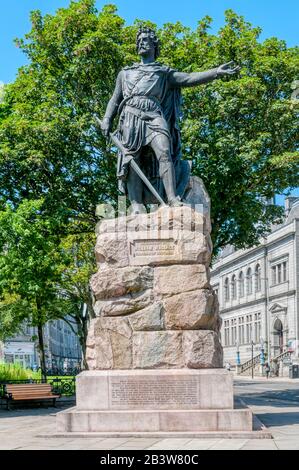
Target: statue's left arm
182 79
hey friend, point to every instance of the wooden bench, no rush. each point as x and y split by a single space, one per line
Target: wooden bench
22 392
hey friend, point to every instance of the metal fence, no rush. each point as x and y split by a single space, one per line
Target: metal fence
62 372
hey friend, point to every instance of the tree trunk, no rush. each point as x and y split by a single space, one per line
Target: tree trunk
42 352
83 328
83 331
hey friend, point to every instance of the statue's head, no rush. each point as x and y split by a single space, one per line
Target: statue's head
146 40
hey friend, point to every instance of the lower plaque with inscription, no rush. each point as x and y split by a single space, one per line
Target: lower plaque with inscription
135 392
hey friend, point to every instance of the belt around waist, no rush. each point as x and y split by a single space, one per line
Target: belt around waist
146 116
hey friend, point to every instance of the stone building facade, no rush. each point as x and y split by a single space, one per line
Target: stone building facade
258 292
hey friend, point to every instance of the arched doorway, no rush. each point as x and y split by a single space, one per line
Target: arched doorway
278 339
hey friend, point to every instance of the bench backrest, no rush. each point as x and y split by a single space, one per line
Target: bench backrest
29 389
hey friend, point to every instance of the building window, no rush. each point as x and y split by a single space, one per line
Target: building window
279 273
273 270
241 330
249 281
234 331
241 284
258 279
226 333
248 328
257 327
234 287
226 290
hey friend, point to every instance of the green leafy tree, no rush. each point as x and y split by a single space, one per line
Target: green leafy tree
43 277
74 285
241 134
31 268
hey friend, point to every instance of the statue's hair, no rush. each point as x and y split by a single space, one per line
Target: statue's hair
152 34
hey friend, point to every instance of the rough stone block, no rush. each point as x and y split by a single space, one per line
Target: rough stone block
157 349
149 319
112 338
171 280
202 349
110 282
165 218
191 311
112 249
168 236
124 305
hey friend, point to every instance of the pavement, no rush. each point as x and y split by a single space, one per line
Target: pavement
274 401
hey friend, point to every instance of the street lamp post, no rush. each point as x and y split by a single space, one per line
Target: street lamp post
252 369
262 361
238 362
262 352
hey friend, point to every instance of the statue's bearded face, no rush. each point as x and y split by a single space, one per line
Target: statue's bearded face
145 44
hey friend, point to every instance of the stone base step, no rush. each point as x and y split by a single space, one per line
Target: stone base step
262 434
154 421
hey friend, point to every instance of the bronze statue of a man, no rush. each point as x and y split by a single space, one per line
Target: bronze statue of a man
147 98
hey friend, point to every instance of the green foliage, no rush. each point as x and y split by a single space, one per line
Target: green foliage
241 133
74 284
42 276
30 266
16 372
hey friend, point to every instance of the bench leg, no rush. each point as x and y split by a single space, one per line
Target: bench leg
54 402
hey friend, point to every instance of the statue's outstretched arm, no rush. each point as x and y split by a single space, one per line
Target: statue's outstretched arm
181 79
112 106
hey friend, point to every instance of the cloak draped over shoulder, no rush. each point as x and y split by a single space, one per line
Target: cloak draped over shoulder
150 106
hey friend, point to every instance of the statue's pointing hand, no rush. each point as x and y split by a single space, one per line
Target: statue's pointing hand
227 69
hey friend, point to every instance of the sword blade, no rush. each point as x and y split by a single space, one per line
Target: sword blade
137 170
146 181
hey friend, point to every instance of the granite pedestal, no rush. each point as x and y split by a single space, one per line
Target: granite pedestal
154 353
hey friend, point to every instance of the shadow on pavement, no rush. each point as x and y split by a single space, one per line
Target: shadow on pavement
278 398
33 410
279 419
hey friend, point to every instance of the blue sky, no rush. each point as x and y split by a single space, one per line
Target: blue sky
276 18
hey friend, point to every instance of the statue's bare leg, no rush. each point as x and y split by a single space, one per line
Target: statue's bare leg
135 190
161 147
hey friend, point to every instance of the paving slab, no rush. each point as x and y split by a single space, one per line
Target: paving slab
231 444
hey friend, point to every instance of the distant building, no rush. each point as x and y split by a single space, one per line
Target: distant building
62 347
22 348
258 292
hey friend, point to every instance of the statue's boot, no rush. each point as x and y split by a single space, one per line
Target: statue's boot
168 178
176 202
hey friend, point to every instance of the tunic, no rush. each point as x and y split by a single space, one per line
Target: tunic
150 107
